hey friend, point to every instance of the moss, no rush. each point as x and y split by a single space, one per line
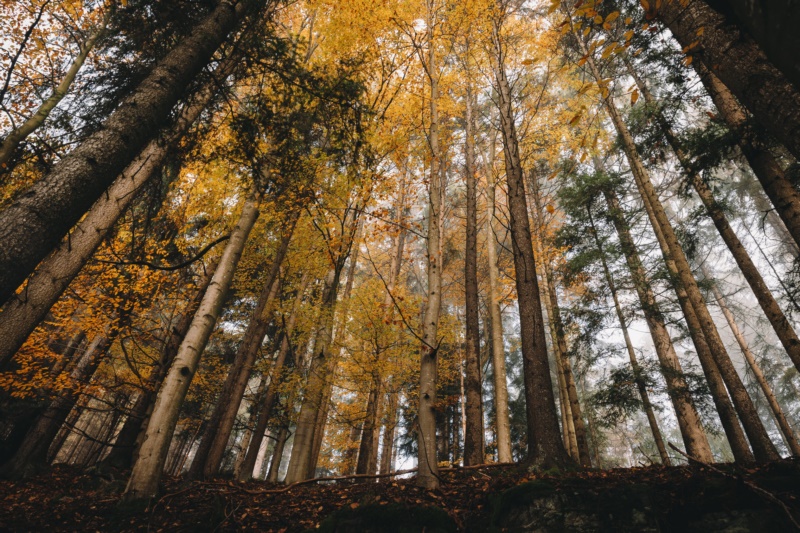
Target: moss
392 518
519 496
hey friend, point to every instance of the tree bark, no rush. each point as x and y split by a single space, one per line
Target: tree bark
502 422
545 447
143 483
388 434
35 222
560 341
277 454
740 64
427 463
473 435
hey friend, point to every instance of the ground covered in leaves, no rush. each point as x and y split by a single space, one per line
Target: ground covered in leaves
66 499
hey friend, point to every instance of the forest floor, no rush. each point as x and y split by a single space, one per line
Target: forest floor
69 499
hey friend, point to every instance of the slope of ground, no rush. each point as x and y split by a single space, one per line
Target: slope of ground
694 498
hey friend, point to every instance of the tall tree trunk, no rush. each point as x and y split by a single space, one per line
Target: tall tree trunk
763 448
367 451
18 135
502 422
637 369
209 454
277 454
786 429
36 221
781 192
783 329
23 312
388 434
147 469
545 447
314 399
276 372
473 434
741 65
123 452
694 438
427 465
583 457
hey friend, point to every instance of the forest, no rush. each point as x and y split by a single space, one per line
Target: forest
399 265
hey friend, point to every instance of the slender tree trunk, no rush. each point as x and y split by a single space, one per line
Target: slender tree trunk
388 434
545 447
265 411
786 429
314 399
23 312
428 469
473 435
32 226
18 135
637 370
739 63
781 192
783 329
277 454
694 438
763 448
146 473
583 457
209 454
502 422
367 451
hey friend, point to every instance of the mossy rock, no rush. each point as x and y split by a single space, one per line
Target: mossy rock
390 518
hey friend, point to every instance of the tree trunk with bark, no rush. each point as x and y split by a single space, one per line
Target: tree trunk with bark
691 428
473 435
637 369
427 462
780 324
740 64
32 226
545 447
143 483
502 421
787 431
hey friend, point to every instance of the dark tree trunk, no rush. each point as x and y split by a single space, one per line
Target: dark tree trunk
741 65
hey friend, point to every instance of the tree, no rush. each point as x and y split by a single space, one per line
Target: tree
36 221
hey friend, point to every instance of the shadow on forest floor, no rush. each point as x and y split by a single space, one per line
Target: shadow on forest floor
493 499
